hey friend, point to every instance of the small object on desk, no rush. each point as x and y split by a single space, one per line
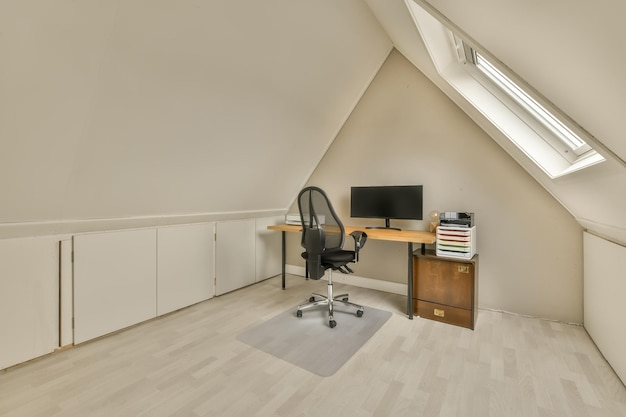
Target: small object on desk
456 218
294 219
434 220
456 242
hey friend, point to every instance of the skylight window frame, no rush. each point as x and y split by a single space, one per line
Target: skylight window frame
536 112
530 104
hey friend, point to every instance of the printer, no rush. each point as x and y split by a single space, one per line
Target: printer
456 219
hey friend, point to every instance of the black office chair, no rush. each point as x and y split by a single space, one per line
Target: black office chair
322 238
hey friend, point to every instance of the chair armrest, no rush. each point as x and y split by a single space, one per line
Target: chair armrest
359 241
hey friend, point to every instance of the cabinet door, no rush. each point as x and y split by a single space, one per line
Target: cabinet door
234 255
114 281
185 266
445 282
29 299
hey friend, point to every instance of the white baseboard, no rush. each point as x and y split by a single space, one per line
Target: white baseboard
373 284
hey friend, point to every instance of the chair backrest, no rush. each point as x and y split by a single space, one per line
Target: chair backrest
321 229
316 212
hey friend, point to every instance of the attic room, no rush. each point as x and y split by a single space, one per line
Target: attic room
195 124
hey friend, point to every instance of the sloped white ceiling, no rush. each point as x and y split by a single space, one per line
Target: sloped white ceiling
123 109
571 53
115 109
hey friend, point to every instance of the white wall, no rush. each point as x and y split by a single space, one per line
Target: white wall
406 131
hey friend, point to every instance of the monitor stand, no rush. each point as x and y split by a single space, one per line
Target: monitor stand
386 226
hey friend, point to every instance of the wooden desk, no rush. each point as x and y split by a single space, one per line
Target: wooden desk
408 236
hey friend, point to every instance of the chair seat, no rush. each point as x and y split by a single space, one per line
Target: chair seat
334 258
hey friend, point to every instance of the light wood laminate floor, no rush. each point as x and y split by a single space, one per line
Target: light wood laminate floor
189 363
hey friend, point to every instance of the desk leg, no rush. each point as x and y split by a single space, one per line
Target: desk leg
409 294
284 255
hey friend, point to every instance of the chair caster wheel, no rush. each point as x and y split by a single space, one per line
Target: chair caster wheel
332 323
359 313
312 300
299 313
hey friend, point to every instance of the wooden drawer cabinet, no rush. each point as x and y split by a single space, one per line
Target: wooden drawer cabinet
445 289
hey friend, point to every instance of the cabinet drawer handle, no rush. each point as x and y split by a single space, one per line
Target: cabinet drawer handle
439 313
464 269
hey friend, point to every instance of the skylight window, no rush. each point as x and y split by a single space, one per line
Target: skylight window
513 113
569 138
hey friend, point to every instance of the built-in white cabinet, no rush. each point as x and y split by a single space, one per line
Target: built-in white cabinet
246 252
29 298
59 290
114 281
605 286
185 266
234 255
125 277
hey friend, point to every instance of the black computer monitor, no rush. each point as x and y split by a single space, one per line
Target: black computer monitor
387 202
